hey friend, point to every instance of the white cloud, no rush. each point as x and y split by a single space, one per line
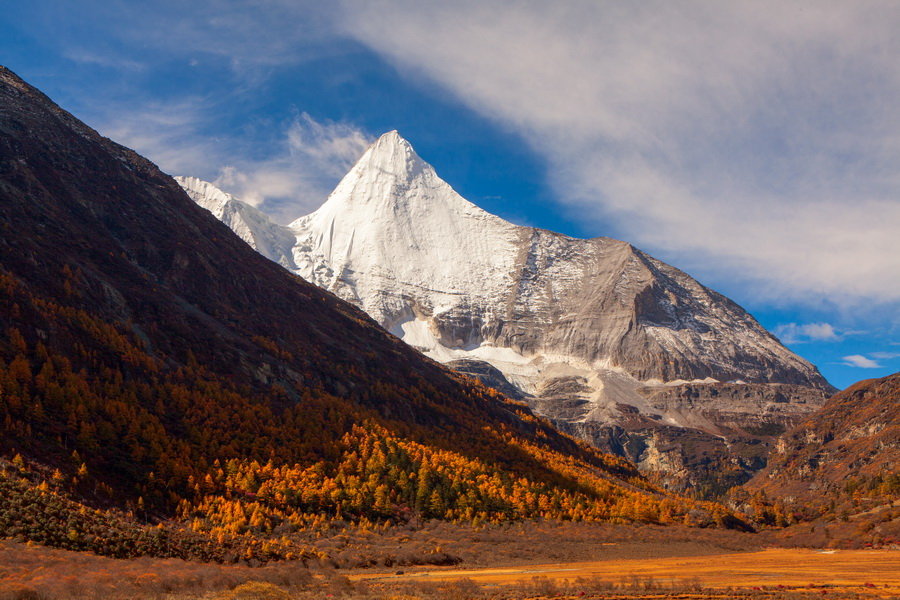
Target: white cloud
165 132
295 173
332 146
307 164
755 141
858 360
884 355
793 333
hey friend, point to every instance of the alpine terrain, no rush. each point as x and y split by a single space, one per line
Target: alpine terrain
852 444
615 346
155 370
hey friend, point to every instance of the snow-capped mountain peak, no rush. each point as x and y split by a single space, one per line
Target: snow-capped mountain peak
593 330
207 194
391 178
392 222
393 155
397 240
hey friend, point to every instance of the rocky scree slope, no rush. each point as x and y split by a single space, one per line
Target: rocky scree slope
614 345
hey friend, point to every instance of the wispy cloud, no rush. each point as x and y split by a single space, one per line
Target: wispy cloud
167 132
108 60
213 128
251 37
794 333
288 173
305 166
884 355
333 147
858 360
755 141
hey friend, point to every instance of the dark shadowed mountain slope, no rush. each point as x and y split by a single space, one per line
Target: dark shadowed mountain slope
150 360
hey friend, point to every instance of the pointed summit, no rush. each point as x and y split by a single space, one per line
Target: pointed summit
393 215
390 176
393 153
392 158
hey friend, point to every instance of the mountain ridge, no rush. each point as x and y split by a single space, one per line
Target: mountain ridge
596 317
152 362
855 434
834 475
250 224
398 195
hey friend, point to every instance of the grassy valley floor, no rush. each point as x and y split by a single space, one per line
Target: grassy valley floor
524 560
841 573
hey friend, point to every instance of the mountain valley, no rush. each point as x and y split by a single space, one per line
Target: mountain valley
617 348
167 390
484 300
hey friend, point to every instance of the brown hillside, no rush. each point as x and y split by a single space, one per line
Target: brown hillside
835 476
856 434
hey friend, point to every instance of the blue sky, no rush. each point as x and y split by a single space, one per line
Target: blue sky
755 145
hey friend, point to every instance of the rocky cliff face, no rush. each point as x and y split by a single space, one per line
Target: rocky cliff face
592 332
726 434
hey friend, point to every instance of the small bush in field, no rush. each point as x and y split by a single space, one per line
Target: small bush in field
255 590
20 593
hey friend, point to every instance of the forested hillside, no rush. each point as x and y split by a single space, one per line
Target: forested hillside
156 369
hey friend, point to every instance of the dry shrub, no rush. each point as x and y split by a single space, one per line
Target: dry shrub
544 586
459 589
255 590
591 584
20 593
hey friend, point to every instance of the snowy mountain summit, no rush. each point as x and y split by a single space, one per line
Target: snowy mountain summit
593 333
396 239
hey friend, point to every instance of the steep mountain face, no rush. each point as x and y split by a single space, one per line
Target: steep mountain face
151 360
420 259
595 332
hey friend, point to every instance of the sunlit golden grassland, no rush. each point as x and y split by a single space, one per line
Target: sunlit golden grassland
579 562
839 573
